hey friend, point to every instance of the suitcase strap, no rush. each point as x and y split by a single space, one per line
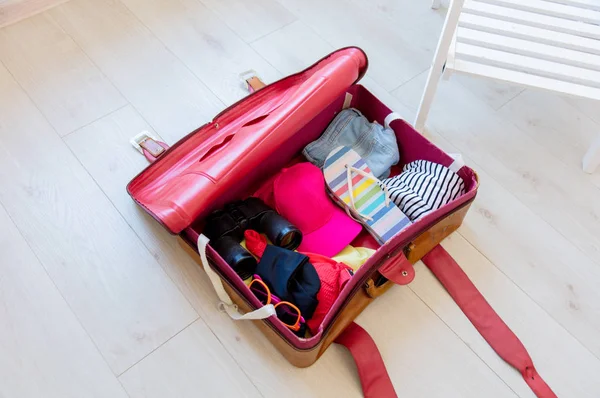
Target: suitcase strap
373 375
226 304
491 327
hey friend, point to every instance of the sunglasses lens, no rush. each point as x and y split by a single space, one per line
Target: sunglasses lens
259 292
287 314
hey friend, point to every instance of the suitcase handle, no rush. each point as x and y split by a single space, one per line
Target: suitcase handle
217 146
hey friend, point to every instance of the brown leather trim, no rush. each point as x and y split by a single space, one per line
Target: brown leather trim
255 83
374 289
429 239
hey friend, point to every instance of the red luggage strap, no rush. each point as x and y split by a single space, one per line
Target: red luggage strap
373 375
491 327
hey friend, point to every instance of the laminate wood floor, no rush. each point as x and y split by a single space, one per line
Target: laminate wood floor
97 300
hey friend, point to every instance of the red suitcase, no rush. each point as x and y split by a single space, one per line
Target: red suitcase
228 158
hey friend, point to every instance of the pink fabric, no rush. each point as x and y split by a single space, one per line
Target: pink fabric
298 194
333 276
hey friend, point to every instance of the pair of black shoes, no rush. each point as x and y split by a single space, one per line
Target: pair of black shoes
225 229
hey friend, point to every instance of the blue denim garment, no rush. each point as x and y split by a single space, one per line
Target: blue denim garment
373 142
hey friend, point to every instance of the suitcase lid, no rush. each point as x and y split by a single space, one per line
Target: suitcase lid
200 167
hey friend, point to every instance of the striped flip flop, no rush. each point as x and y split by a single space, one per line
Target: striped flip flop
355 188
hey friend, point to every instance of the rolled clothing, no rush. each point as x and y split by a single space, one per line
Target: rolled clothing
374 143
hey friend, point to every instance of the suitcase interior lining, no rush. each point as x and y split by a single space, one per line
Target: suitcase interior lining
412 146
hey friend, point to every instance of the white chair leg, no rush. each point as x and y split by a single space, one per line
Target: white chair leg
437 65
591 160
435 4
427 99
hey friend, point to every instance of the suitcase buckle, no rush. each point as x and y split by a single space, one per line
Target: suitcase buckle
251 80
148 145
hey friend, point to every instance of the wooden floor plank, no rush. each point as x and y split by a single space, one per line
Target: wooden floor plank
395 55
44 351
192 364
251 20
12 11
409 14
65 85
589 107
492 92
200 39
160 87
556 125
275 49
120 294
288 59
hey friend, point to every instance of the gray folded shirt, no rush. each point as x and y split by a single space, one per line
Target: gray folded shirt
374 143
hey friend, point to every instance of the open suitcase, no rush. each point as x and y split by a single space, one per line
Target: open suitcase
227 158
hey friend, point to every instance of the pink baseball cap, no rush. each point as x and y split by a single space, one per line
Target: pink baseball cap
299 195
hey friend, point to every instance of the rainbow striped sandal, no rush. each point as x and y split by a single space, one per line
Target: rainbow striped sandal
361 194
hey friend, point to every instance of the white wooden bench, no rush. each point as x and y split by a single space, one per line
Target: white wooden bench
546 44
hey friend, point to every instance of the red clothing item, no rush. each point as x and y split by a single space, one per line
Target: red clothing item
255 242
333 276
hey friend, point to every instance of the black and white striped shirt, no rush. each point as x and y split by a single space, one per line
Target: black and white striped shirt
423 187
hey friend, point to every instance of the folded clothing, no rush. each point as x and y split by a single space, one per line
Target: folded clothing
374 143
423 187
353 257
333 276
289 275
